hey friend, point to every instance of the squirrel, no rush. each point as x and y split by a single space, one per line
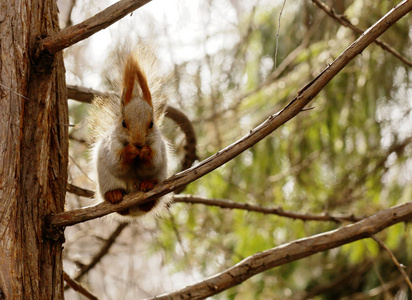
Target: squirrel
129 152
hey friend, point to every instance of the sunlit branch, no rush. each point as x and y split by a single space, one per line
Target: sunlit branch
345 22
303 97
293 251
71 35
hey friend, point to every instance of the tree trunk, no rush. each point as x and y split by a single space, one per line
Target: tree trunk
33 151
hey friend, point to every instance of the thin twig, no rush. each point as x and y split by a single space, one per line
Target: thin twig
345 22
72 189
395 261
303 97
78 287
265 210
277 34
14 92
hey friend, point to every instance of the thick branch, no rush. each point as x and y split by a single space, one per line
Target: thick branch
304 96
293 251
345 22
71 35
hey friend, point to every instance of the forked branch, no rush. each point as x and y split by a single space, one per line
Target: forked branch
303 97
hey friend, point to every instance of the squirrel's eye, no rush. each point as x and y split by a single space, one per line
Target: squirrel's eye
124 124
151 124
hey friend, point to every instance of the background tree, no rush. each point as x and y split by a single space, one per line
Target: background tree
345 159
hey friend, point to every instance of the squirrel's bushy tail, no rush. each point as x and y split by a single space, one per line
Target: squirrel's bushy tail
127 65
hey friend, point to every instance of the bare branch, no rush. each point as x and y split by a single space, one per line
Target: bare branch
71 35
102 252
266 210
303 97
244 206
78 287
295 250
395 261
345 22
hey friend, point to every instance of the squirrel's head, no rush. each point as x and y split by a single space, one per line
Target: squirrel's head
137 108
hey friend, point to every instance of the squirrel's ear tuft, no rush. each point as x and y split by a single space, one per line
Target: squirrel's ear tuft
132 71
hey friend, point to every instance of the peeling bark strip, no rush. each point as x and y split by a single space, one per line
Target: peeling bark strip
71 35
34 152
287 253
304 96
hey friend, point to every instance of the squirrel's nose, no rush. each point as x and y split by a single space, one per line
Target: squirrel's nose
138 144
137 141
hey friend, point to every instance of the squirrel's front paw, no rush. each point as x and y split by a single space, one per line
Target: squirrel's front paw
114 196
147 185
146 153
129 153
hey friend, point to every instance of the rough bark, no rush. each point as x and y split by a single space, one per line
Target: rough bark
33 149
